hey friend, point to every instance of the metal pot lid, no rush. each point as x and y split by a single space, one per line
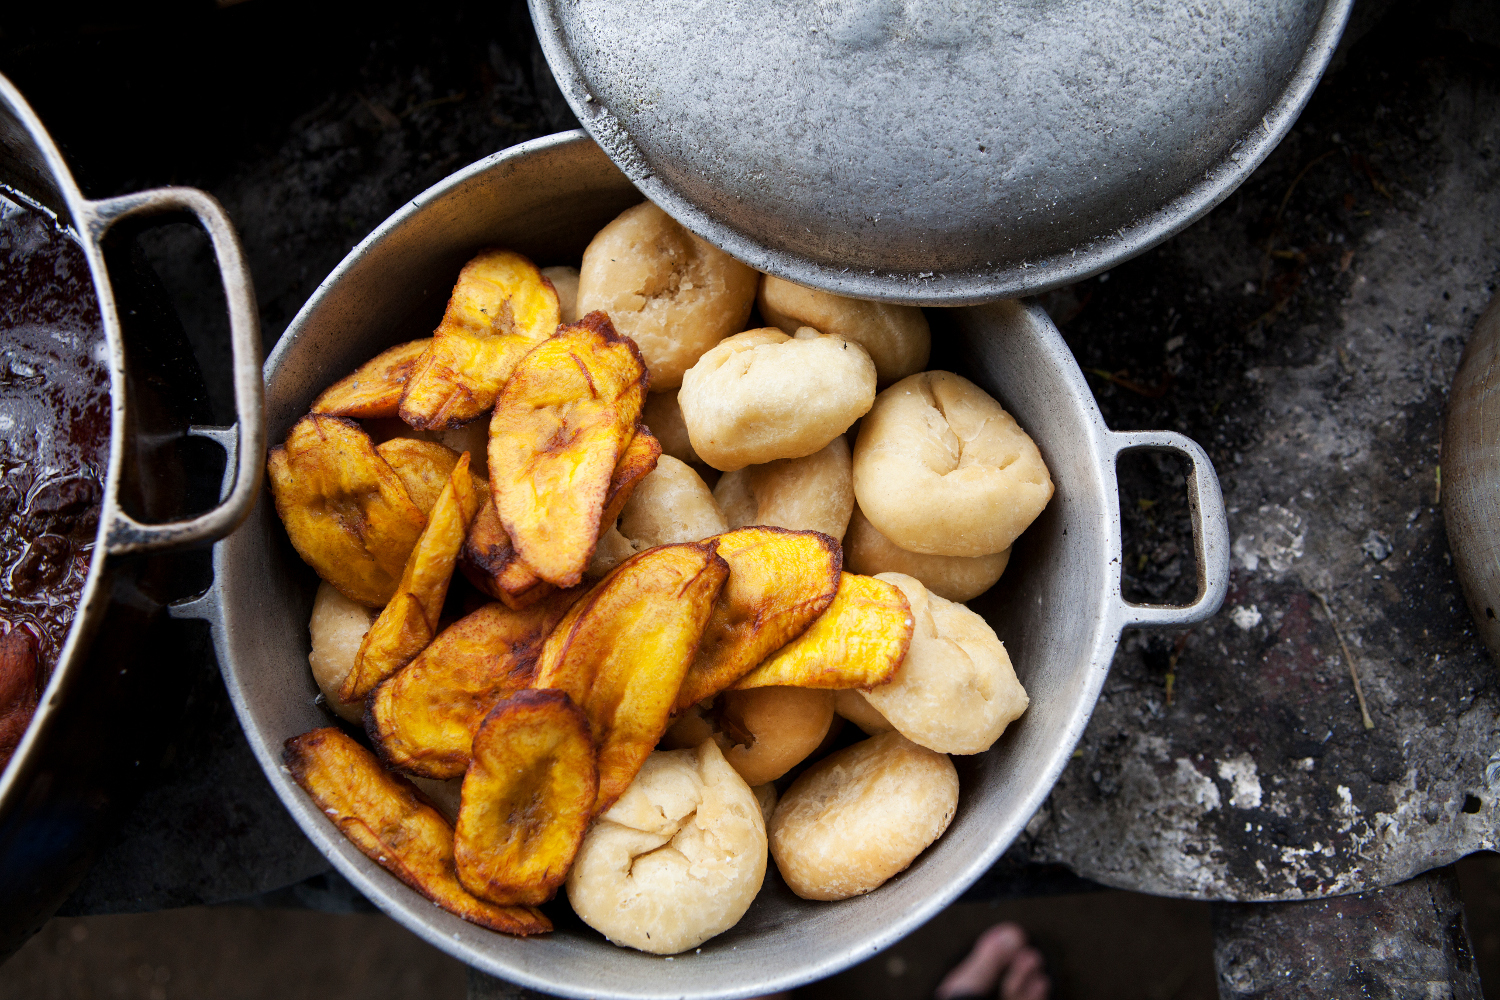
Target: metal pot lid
937 151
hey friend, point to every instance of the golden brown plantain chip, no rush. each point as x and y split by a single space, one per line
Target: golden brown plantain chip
422 719
389 820
500 309
857 643
346 511
527 798
490 562
779 581
410 621
622 652
423 467
637 461
560 426
374 389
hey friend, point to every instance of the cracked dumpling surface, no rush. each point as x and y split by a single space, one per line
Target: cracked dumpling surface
940 468
672 504
673 294
677 860
812 493
760 395
860 816
956 691
897 337
956 578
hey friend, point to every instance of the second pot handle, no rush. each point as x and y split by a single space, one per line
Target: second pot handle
1210 531
125 533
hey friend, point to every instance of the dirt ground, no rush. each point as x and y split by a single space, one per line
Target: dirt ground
1098 946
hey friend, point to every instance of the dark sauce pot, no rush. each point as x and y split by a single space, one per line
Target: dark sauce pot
110 490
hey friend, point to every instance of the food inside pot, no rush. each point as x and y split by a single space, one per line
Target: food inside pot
622 658
54 449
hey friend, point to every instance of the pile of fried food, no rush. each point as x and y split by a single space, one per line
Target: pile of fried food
628 661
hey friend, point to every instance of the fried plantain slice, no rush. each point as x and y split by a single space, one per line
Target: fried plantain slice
858 642
622 652
422 719
388 819
527 798
410 621
423 467
346 511
779 581
560 426
637 461
374 389
490 562
501 307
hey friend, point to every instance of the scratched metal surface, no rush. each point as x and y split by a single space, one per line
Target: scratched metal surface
937 151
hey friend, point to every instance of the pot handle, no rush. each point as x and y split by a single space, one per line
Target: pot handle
248 458
1210 532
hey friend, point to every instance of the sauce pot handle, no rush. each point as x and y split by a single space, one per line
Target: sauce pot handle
248 459
1210 531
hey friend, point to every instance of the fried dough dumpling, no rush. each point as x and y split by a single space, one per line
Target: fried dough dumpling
940 468
860 816
677 860
565 283
814 493
954 578
501 307
763 733
761 395
338 626
345 510
956 691
670 505
669 291
664 417
374 389
897 337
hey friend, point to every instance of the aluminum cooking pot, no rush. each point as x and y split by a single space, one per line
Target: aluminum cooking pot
1059 608
117 690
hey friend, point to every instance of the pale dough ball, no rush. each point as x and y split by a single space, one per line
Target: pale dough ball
897 337
956 578
763 732
848 704
814 493
678 859
565 282
956 691
670 505
664 417
940 468
673 294
766 796
854 819
338 626
761 395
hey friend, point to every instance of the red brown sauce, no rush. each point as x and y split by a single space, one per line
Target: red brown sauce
54 448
